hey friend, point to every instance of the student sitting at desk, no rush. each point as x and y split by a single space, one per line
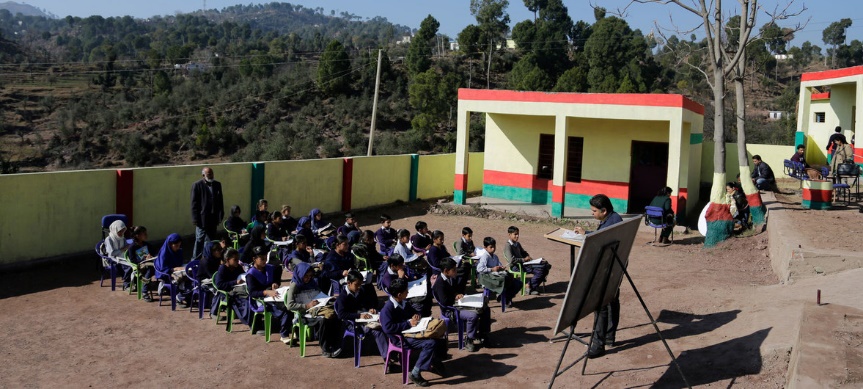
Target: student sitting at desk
401 247
354 302
350 229
276 230
257 238
139 253
398 316
386 236
800 155
234 222
116 246
515 253
289 222
466 246
492 274
374 258
302 253
609 316
301 298
262 281
169 268
437 251
227 279
338 261
447 292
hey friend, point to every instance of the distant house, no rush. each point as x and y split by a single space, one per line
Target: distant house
406 40
453 46
782 57
510 44
775 115
191 67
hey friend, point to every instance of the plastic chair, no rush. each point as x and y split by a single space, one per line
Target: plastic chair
165 280
136 276
657 213
234 236
404 352
335 287
198 290
223 303
486 293
108 219
362 262
304 332
110 268
352 330
460 325
259 308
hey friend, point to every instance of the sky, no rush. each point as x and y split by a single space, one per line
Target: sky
454 15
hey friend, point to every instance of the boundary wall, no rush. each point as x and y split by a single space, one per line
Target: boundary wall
52 214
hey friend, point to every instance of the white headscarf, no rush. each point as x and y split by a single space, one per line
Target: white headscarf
115 243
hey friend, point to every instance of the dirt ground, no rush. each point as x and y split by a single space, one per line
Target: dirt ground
817 222
61 328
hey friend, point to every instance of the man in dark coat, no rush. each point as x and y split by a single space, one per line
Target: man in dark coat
208 209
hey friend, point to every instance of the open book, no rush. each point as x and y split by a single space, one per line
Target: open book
283 242
534 262
375 318
281 291
457 259
367 278
322 299
329 226
471 301
418 288
420 327
570 234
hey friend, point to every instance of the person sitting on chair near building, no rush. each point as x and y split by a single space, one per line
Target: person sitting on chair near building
800 155
663 200
762 175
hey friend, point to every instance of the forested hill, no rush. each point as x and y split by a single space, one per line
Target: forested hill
279 81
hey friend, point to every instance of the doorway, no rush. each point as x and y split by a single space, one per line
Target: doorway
648 173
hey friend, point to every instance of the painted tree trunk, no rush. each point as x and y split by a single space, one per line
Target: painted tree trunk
753 196
720 224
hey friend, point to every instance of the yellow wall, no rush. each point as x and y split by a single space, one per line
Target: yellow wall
476 164
49 214
608 144
436 176
512 141
381 180
304 185
773 155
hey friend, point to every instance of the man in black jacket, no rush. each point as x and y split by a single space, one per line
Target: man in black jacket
208 209
762 175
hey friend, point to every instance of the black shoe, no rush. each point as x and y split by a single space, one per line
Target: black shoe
391 368
596 351
418 380
469 345
609 342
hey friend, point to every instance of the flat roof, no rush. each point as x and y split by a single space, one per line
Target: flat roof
637 99
831 74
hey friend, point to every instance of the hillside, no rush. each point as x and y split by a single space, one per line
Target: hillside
278 81
25 9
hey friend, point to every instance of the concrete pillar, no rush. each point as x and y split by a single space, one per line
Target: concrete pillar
461 156
558 182
678 158
858 102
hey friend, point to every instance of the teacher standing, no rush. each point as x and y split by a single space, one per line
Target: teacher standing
208 209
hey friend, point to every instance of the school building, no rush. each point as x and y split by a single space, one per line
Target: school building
563 148
828 99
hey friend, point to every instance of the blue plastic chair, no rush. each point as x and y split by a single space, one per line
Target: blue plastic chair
110 268
356 333
198 290
172 289
335 287
108 219
651 214
456 314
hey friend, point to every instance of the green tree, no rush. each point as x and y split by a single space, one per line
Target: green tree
527 75
419 53
535 6
613 52
493 22
432 95
334 70
470 41
161 83
834 35
572 80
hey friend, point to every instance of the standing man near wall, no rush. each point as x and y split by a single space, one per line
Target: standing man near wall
208 209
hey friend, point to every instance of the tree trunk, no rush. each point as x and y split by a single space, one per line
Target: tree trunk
488 71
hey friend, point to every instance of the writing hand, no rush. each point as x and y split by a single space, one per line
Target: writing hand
365 316
311 304
414 321
373 311
579 230
459 296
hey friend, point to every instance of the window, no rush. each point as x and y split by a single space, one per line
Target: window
545 164
819 117
574 153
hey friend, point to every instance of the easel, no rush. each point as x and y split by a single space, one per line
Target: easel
612 247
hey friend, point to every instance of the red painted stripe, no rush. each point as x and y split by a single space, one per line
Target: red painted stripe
639 99
821 96
347 183
858 155
617 190
125 193
678 203
518 180
557 193
460 182
717 212
828 74
818 195
754 199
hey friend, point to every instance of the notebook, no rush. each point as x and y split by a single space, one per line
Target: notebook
418 288
281 297
420 327
471 301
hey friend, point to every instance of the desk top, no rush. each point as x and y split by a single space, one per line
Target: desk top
557 236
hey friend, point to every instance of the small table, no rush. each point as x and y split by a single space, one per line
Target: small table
557 236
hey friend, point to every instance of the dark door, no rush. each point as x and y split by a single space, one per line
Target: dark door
648 173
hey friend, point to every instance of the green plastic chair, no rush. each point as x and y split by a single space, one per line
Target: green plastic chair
267 318
303 330
223 304
469 259
136 275
362 263
235 237
518 273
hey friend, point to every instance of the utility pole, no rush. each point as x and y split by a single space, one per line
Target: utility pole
375 104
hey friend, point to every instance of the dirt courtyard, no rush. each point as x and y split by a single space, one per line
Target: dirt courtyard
61 328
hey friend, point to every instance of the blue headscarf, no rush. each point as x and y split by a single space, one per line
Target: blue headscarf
316 224
300 272
302 222
169 259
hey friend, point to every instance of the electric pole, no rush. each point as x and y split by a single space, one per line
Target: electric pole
375 104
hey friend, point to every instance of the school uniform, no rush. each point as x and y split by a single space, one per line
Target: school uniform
500 284
515 252
395 318
137 253
276 232
226 279
289 222
419 242
335 264
420 304
350 231
297 257
445 290
348 307
235 224
466 248
386 238
165 263
257 282
434 255
299 294
402 250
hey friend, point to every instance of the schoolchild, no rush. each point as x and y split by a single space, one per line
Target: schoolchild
401 247
139 253
288 220
276 228
386 236
515 253
354 302
235 222
492 274
398 316
466 246
169 267
422 240
257 238
350 229
447 292
262 281
367 246
338 261
301 298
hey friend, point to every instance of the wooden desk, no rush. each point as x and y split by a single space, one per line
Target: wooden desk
557 236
